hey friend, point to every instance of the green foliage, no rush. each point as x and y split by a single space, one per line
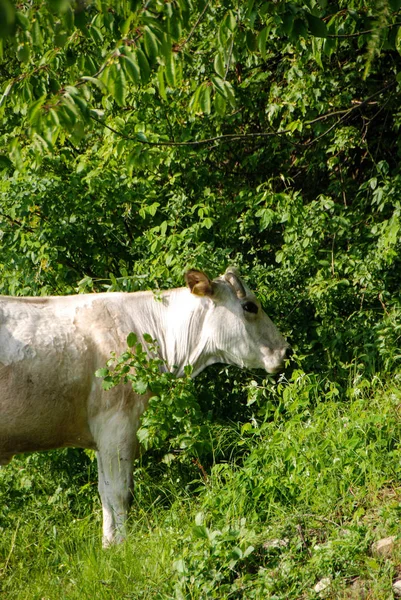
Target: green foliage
173 414
142 138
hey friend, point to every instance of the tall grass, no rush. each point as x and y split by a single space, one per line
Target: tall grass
314 482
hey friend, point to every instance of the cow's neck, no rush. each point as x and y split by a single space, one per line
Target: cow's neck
177 321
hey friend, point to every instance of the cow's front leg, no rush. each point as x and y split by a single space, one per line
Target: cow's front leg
116 448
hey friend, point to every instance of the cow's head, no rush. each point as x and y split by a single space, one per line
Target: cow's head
238 329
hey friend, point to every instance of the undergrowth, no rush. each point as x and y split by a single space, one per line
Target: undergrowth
294 495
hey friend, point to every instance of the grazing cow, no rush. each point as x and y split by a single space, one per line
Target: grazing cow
50 348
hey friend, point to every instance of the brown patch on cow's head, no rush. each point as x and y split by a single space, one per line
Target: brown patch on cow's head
199 283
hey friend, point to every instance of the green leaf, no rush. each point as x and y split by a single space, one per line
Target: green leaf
7 18
24 52
161 86
22 20
200 532
5 162
140 386
207 223
220 105
141 137
262 38
36 34
96 35
34 109
103 372
169 61
316 26
151 44
398 41
143 65
97 82
132 339
131 67
251 41
204 98
117 85
148 338
219 65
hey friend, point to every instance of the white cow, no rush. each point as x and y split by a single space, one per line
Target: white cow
50 348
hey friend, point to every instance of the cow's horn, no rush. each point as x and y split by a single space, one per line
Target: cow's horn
232 277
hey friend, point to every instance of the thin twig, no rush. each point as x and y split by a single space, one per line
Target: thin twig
196 25
357 34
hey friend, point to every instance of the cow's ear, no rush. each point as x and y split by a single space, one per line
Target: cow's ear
199 283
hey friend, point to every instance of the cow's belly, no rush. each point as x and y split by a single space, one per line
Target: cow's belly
43 403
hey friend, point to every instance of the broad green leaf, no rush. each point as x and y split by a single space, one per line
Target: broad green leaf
230 94
34 109
97 82
262 38
132 339
170 71
140 386
251 41
220 104
24 53
117 85
143 65
174 26
151 43
398 41
7 18
22 20
316 26
82 105
96 35
219 65
103 372
230 21
131 67
194 102
207 223
161 86
204 98
299 29
36 34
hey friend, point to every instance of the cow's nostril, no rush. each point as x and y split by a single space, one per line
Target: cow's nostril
288 352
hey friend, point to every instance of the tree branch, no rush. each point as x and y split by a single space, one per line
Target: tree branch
228 137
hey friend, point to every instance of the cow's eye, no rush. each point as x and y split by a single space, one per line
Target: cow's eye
250 307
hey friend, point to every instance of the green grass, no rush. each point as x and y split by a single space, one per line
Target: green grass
314 482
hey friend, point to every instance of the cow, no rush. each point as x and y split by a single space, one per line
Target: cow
50 348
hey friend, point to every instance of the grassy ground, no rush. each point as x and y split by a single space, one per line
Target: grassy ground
312 486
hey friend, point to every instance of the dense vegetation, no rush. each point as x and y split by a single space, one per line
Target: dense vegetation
142 138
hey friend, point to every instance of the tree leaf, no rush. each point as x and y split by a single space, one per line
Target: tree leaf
143 65
117 85
140 386
132 339
262 38
7 18
131 67
316 26
170 72
151 43
219 65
